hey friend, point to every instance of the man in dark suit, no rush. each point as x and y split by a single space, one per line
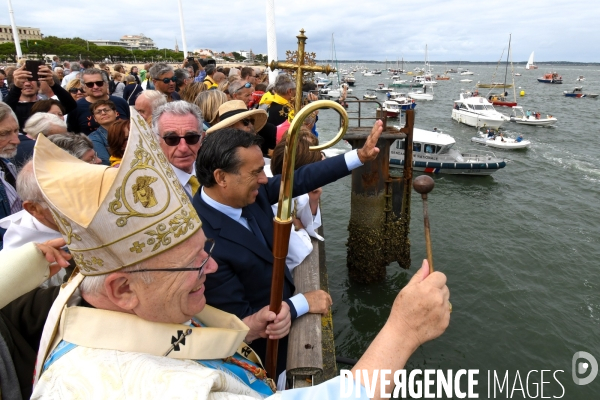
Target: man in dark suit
235 207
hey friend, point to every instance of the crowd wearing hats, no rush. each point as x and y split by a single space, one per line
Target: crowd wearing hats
136 211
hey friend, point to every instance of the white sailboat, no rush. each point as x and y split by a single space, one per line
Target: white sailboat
530 64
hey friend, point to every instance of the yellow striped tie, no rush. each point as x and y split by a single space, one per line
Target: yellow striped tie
194 184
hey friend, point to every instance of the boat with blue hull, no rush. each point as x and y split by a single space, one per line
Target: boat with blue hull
433 153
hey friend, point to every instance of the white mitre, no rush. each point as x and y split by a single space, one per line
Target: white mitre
113 218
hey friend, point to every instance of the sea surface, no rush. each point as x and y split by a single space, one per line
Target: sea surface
520 248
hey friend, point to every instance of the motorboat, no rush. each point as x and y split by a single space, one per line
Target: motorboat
473 110
349 79
580 78
368 74
577 92
403 100
369 96
418 94
451 71
551 77
323 82
530 64
466 80
467 72
529 118
425 80
433 153
442 78
516 74
382 88
499 141
391 108
405 83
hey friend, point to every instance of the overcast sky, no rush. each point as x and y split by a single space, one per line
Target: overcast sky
454 30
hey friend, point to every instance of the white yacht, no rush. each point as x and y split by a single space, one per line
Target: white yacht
476 111
433 153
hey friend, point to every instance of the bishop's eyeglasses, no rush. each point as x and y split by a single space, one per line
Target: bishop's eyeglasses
200 269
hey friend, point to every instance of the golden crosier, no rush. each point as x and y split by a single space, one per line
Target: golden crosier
289 160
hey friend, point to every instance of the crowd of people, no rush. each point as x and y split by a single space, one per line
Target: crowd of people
136 211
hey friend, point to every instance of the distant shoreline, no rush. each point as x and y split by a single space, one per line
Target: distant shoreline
393 62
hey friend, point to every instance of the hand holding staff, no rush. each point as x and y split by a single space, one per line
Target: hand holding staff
423 185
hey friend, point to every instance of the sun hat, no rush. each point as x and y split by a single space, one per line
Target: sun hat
233 111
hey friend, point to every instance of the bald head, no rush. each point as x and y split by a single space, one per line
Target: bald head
147 102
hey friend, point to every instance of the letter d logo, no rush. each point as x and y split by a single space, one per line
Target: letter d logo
581 367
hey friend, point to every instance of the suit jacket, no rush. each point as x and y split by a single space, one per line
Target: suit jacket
242 284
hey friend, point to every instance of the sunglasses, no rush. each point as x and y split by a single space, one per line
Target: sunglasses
246 86
75 90
166 81
247 121
174 140
91 84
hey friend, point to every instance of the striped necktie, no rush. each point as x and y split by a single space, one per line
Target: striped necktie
194 184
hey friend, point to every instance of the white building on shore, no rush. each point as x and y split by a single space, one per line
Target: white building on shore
25 33
130 42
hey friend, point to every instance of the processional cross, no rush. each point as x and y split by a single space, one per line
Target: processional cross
300 68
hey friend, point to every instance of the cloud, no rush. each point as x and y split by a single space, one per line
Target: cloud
454 30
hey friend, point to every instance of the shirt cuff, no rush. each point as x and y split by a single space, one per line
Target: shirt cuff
352 160
300 304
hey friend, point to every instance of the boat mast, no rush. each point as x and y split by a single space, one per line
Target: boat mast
512 70
271 39
507 57
183 42
15 32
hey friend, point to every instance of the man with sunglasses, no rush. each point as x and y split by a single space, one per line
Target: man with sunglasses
95 84
163 77
241 90
178 126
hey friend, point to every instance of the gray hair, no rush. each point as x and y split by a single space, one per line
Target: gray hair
59 69
95 284
94 71
129 79
74 144
179 107
235 86
158 69
283 83
6 111
181 75
27 186
155 98
42 123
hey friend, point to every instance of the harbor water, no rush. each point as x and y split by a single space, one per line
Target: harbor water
520 248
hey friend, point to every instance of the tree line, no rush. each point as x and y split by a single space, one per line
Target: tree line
80 49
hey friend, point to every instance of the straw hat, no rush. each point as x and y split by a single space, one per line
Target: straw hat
113 218
233 111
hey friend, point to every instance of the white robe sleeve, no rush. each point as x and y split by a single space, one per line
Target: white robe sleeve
310 222
22 270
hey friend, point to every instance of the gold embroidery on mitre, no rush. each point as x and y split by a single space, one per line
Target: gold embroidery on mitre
178 225
64 227
141 190
86 265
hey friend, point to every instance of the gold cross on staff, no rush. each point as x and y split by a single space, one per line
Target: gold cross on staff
300 68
